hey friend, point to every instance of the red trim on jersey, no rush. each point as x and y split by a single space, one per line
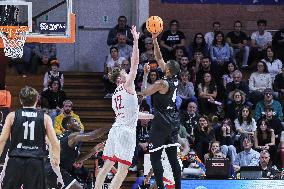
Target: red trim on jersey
126 90
125 162
108 158
116 159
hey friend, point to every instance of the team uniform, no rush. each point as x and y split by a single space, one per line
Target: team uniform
27 151
165 119
68 156
121 142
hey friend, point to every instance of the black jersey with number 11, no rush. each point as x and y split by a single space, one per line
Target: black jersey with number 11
28 134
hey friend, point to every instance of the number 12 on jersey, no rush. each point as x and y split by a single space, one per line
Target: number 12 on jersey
29 128
118 104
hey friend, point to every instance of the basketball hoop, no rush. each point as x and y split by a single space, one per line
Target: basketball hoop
14 38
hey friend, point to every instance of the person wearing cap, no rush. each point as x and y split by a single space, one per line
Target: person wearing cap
53 74
268 101
67 111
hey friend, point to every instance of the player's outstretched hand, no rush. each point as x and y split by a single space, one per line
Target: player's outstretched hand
155 35
135 33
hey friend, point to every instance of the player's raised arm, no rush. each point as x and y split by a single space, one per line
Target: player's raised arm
157 52
134 58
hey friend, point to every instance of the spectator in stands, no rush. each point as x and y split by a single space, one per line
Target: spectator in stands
148 48
237 99
203 134
260 40
198 45
247 157
192 166
195 65
141 42
274 65
245 124
209 36
226 135
179 52
237 83
189 119
229 72
278 44
67 111
213 147
55 98
124 50
268 170
259 81
264 137
205 67
185 90
171 39
184 64
53 74
237 39
126 66
273 123
268 101
279 86
114 62
43 54
120 28
220 52
207 93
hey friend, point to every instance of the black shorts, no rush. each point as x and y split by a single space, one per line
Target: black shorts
51 178
28 172
163 134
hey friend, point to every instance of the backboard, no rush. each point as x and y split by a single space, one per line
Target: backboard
49 21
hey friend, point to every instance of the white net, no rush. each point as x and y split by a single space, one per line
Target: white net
13 46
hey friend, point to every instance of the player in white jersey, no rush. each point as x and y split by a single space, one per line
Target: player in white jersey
121 142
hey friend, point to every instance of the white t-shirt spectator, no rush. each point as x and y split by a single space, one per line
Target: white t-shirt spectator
112 63
245 126
261 40
274 67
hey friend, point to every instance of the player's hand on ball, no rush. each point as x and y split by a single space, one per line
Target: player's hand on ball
135 33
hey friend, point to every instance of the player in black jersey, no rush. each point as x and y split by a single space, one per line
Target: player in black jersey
165 125
69 143
27 129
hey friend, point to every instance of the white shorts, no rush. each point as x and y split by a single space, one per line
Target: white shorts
120 145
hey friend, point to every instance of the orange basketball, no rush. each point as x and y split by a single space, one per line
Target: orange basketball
154 24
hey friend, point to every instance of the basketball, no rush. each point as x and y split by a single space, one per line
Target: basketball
154 24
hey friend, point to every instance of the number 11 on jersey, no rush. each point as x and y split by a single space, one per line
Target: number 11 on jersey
29 127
